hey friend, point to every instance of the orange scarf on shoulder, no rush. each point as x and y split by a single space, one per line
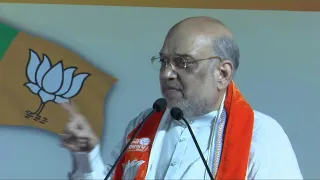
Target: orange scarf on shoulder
235 149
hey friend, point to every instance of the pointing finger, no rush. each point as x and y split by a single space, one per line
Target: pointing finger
70 108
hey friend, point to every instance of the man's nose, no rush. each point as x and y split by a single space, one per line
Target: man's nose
168 73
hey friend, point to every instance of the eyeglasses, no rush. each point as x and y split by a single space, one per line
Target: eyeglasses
178 62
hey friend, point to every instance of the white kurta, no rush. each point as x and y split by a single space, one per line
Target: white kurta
174 155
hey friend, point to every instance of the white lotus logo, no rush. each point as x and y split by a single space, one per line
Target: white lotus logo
131 169
52 82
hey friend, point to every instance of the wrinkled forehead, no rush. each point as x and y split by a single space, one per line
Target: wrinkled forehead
195 45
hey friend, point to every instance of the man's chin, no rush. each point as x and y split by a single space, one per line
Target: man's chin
172 94
173 102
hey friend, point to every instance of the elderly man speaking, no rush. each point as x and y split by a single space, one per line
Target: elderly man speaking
197 62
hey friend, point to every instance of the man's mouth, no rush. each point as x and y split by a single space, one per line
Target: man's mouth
171 89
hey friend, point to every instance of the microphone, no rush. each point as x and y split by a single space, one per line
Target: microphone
158 106
177 114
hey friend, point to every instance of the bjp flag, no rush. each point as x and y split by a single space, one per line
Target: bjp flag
36 75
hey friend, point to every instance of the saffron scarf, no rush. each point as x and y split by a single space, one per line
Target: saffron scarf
235 150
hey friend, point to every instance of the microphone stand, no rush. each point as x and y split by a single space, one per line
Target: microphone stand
158 106
198 148
128 144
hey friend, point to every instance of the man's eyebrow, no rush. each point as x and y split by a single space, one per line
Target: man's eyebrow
183 55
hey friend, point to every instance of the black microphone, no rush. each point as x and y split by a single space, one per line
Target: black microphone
177 114
158 106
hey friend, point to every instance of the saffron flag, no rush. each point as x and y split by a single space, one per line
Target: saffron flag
36 75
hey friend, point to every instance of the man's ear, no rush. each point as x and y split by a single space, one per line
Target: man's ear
225 70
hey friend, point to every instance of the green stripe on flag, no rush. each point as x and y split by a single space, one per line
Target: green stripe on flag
7 35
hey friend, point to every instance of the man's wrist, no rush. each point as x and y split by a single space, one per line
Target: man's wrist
84 161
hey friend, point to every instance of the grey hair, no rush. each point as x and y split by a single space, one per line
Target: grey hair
226 48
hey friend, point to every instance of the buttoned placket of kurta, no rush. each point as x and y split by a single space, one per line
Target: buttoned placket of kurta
180 148
185 139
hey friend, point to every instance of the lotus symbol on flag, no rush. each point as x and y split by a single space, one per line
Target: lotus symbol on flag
131 169
52 82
